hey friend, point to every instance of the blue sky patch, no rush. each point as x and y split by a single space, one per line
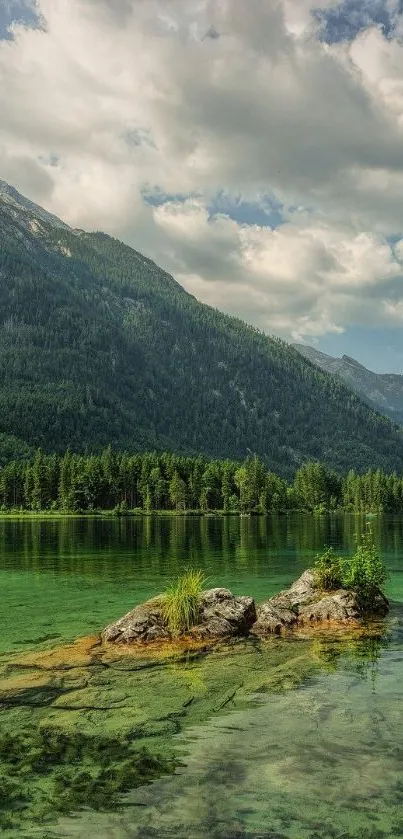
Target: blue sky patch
156 197
16 10
350 17
267 213
380 349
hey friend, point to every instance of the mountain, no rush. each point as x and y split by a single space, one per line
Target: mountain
98 345
16 203
382 391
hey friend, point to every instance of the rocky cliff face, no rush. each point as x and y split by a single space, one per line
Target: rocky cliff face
23 209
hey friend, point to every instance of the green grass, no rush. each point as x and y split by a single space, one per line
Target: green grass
180 602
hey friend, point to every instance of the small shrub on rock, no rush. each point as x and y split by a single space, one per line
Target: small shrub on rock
365 571
328 570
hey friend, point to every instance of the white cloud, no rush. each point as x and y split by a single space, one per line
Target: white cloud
130 95
305 279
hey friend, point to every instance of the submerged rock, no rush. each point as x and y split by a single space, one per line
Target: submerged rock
304 604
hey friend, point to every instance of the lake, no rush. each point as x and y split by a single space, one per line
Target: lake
285 739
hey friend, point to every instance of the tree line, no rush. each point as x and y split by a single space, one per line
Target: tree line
121 482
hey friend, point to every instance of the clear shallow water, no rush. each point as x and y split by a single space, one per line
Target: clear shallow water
285 740
69 577
323 761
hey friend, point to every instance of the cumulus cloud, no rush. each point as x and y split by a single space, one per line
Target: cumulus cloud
303 279
115 100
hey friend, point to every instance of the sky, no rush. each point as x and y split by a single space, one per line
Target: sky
252 149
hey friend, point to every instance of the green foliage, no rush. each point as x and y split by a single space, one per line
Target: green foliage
328 570
180 602
123 482
97 343
365 571
121 509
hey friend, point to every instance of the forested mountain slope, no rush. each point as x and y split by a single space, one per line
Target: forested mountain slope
382 391
98 345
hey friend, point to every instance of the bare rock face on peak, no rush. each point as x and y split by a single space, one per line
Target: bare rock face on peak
382 391
21 206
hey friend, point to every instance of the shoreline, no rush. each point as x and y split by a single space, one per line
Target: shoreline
137 514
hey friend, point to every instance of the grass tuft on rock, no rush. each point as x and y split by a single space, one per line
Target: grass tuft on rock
181 600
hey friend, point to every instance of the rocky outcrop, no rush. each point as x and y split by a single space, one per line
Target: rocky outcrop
303 604
302 591
334 606
221 615
144 623
272 620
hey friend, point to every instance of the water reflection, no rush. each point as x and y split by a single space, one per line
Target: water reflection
72 576
234 541
190 535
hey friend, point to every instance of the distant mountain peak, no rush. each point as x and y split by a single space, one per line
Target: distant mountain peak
382 391
10 197
347 359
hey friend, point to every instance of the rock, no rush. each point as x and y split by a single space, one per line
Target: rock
381 605
341 605
272 620
302 591
144 623
223 615
302 604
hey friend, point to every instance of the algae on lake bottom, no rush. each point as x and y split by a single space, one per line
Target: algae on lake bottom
82 732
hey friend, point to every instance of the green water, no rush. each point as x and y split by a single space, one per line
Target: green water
282 739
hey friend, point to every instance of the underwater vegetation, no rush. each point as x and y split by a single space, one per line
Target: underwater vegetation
81 733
